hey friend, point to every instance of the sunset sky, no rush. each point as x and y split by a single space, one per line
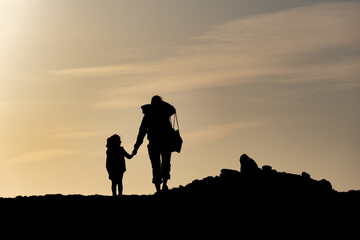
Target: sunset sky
278 80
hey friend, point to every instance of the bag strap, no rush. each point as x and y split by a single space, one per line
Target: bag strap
177 122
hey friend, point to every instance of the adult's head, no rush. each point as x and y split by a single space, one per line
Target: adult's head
156 100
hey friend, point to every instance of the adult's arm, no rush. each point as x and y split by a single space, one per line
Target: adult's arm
142 132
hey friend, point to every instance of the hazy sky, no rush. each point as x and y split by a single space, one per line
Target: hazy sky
278 80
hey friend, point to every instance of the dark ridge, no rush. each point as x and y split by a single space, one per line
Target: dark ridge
252 203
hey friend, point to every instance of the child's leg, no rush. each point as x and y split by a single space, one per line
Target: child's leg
120 185
113 188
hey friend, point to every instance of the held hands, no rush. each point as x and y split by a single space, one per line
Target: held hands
134 152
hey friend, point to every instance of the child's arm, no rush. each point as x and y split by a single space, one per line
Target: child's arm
127 155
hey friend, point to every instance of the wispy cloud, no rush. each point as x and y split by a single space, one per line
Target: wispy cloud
318 42
103 70
118 102
41 155
215 132
71 133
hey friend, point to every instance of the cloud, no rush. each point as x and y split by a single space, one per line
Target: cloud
42 155
118 102
314 43
301 44
73 134
103 70
215 132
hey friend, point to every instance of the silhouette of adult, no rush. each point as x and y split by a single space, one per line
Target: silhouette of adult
156 124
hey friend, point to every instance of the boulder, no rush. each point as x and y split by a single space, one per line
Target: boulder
248 165
229 173
267 169
325 185
305 175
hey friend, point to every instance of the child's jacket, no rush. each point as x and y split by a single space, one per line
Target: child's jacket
115 162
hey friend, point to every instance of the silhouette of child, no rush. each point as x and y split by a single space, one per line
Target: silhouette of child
115 162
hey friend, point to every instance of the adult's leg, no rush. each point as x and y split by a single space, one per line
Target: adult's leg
165 167
154 155
113 187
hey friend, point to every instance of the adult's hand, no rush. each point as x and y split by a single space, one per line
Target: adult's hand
134 152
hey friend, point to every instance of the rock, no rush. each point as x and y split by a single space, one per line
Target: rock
305 175
325 185
229 173
266 169
248 165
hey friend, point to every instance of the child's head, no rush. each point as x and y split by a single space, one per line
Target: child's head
114 140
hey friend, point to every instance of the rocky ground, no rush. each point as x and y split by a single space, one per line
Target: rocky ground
251 203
